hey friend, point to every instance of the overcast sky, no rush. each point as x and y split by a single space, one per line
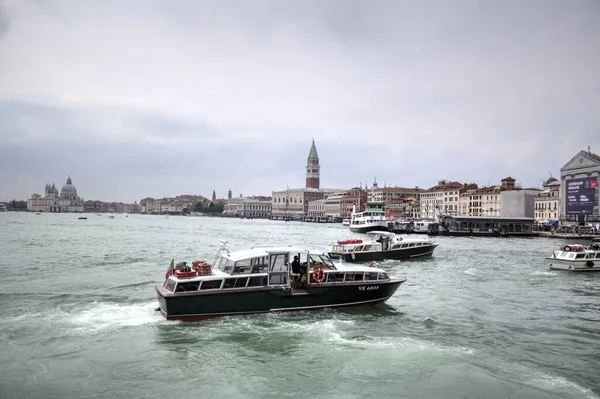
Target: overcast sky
146 98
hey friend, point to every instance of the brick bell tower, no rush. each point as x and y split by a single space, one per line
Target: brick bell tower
312 167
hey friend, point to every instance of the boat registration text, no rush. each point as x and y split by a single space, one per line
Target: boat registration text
368 287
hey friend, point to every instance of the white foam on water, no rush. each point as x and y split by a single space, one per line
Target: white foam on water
111 316
563 383
470 271
548 273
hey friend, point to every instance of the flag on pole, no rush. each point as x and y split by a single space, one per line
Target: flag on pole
171 269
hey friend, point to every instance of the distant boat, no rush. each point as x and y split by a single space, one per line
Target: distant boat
346 222
111 216
37 213
82 218
373 218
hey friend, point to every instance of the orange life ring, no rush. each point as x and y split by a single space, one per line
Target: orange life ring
318 275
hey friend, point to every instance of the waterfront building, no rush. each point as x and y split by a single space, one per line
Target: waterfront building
487 226
316 210
110 207
518 203
249 207
490 201
355 198
384 194
443 197
547 203
170 205
405 207
333 205
464 202
53 201
292 203
579 195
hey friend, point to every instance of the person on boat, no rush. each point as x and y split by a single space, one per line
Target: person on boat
296 269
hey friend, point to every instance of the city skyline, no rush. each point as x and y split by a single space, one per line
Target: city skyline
205 96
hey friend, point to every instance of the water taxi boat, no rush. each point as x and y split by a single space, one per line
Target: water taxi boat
346 222
269 279
373 218
382 245
576 258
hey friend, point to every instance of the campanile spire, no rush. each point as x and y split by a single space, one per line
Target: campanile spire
313 168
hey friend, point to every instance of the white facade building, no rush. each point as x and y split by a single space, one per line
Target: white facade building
333 205
316 210
66 201
250 207
445 197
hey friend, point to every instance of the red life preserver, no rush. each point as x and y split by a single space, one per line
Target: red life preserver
318 275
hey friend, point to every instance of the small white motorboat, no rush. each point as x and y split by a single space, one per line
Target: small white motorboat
576 258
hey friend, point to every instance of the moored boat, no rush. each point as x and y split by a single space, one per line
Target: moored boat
265 279
382 245
576 258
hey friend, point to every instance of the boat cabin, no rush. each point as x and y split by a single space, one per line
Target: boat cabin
270 267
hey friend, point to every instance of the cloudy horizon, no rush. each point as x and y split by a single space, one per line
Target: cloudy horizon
152 98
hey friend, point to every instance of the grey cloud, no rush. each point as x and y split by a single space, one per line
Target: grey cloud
229 94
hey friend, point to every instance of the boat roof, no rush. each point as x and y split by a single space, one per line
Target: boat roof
259 251
381 233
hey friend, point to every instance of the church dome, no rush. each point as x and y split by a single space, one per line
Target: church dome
68 189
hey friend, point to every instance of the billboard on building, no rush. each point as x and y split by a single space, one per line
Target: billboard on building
581 195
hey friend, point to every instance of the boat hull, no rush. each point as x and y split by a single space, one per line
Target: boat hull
574 265
397 254
367 228
193 306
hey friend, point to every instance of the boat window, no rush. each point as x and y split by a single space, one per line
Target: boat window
170 285
242 266
371 276
383 276
226 265
211 284
258 281
259 261
359 276
278 279
188 286
239 282
321 261
278 262
333 277
229 283
580 256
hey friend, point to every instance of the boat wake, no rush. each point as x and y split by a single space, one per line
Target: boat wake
105 316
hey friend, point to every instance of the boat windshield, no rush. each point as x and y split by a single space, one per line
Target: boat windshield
321 260
225 265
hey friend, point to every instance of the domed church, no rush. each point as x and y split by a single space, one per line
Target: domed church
66 201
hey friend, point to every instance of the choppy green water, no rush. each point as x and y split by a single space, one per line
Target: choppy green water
483 318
